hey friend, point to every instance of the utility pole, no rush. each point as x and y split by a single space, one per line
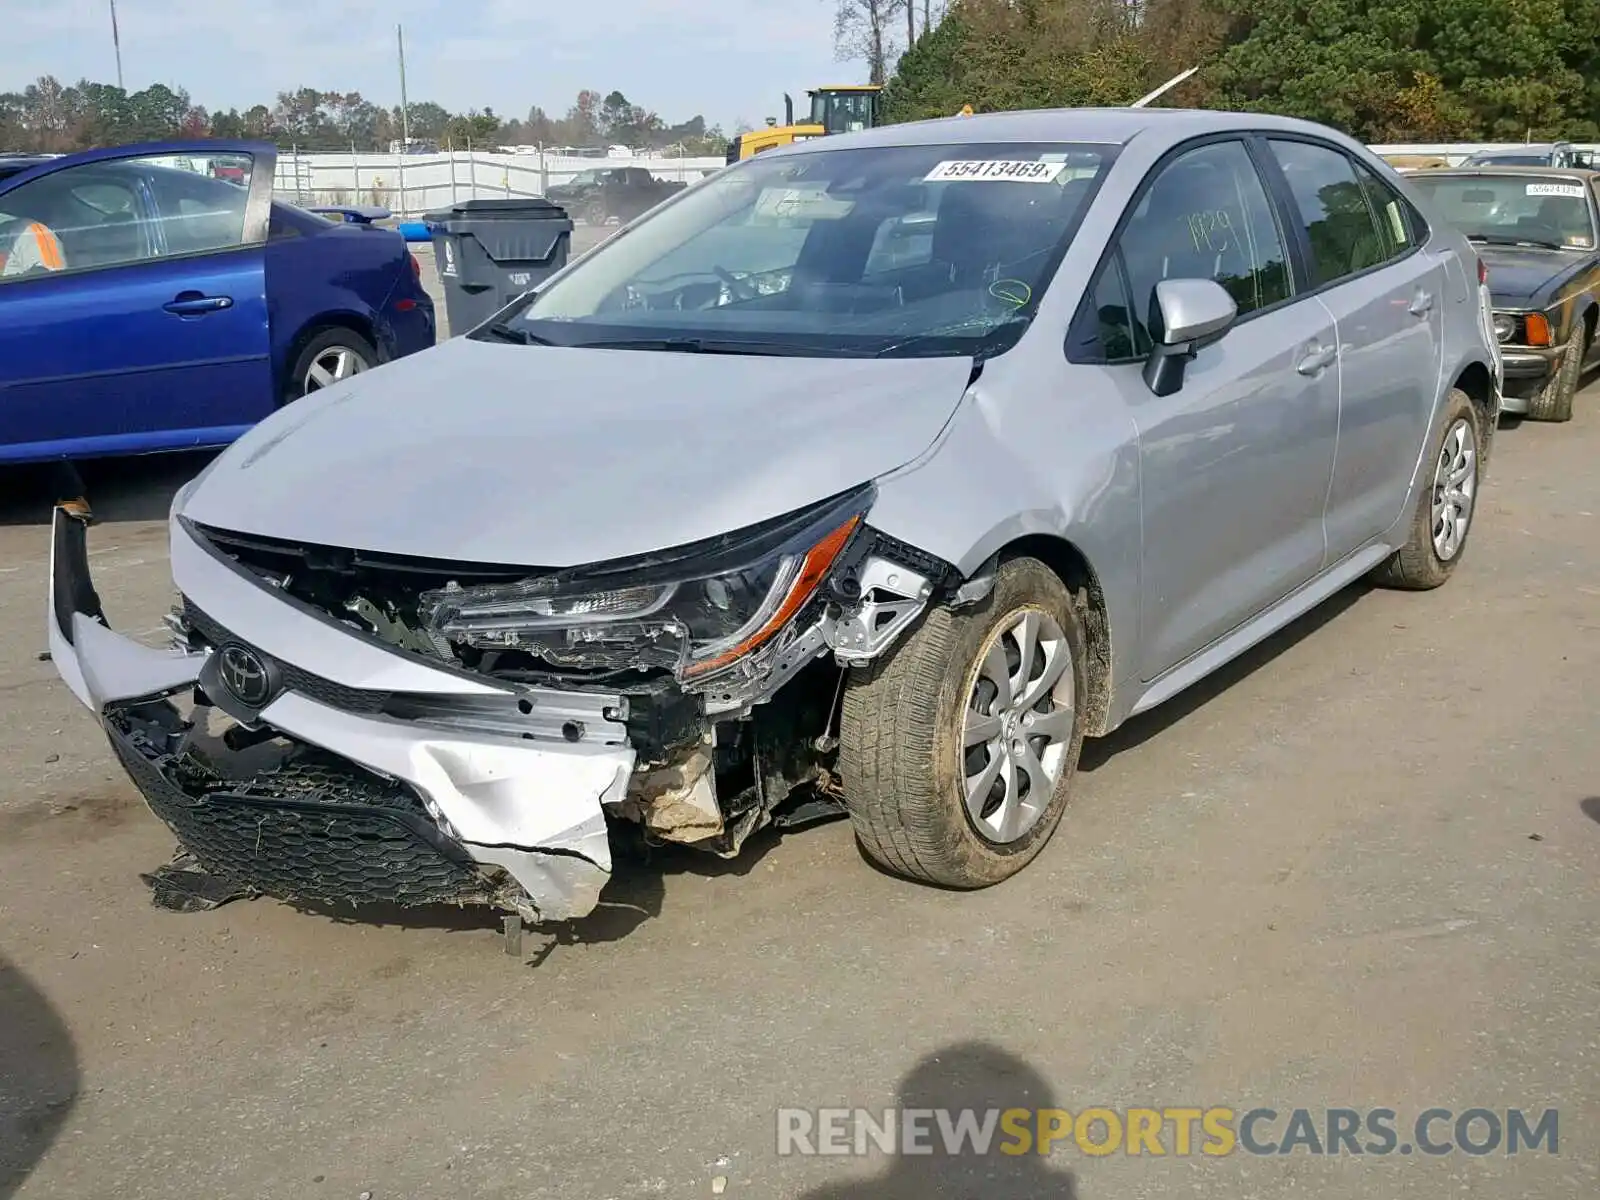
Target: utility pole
116 44
405 121
405 115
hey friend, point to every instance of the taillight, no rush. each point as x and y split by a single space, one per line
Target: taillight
1483 273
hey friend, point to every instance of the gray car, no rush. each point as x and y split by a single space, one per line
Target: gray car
870 476
1545 154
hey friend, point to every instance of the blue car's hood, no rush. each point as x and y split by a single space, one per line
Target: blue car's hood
539 456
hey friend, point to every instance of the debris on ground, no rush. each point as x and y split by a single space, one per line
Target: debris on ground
183 885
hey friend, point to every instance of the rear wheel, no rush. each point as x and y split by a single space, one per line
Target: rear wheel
1445 505
958 752
1554 401
330 357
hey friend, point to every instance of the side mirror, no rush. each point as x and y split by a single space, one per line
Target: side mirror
1186 316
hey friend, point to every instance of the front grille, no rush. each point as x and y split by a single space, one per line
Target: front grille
314 828
314 687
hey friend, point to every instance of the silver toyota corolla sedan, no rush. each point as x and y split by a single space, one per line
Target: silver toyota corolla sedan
870 476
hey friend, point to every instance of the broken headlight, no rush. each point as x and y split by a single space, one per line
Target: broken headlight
697 610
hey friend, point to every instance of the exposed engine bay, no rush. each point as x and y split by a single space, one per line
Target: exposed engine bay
720 664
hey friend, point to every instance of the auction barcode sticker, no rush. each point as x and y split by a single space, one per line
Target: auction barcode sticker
995 170
1574 190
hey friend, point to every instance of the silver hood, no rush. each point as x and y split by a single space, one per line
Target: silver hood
543 456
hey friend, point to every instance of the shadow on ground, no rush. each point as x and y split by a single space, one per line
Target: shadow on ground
1591 807
120 489
1138 730
635 894
39 1077
979 1077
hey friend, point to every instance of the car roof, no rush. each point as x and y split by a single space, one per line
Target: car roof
14 163
1116 126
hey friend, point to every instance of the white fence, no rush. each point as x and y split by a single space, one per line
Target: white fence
412 184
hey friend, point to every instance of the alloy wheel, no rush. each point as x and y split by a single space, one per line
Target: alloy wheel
332 365
1455 488
1018 725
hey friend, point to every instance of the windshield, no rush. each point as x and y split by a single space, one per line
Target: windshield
842 112
1534 209
874 251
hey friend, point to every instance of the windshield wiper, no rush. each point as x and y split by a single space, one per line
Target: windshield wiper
981 337
1512 240
695 345
506 332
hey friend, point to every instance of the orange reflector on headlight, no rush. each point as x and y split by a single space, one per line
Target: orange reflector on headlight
813 570
1538 329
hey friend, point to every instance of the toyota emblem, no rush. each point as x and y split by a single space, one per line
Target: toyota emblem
245 675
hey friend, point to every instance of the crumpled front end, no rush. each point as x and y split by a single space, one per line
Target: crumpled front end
339 726
305 763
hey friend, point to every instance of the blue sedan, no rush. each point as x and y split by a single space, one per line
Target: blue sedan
156 297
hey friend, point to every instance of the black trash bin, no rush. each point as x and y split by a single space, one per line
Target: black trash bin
489 252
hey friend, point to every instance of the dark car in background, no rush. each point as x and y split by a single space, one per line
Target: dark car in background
603 195
1536 230
1535 154
176 303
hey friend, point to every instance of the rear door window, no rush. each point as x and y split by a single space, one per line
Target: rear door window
1344 233
1397 224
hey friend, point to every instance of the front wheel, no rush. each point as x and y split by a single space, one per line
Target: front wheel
957 752
1553 402
330 357
1445 505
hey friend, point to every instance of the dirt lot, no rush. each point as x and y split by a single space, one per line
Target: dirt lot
1358 869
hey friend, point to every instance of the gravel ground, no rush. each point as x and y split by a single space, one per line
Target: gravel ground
1358 869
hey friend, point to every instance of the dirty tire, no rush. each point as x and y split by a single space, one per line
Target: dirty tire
1416 566
901 733
322 345
1553 402
594 213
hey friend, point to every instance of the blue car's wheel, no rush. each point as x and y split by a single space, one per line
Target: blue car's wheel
329 358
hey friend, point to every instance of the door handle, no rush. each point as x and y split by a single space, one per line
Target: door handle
193 304
1421 303
1317 359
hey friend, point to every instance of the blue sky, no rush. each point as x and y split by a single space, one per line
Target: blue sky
674 56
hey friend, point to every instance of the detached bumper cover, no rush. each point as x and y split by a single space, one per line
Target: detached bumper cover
365 807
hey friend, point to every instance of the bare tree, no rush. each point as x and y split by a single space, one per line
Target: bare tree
861 29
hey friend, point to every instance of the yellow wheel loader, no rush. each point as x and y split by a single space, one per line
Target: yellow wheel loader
850 108
844 109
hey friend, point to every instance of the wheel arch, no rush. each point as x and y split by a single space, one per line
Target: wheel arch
357 323
1072 566
1476 380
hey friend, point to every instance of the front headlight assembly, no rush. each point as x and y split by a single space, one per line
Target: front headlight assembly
698 610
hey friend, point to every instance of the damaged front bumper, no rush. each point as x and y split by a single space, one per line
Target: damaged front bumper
308 764
313 736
